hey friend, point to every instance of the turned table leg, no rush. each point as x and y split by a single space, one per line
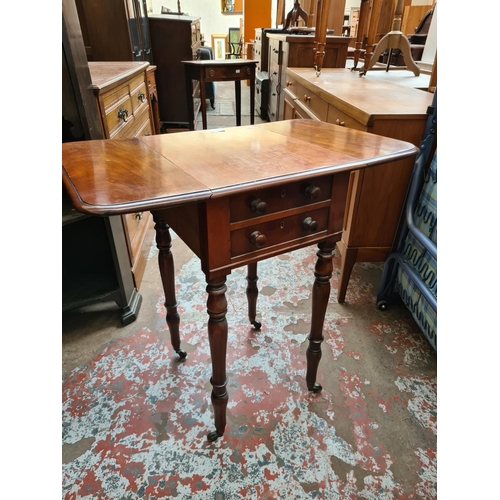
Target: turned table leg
320 295
252 294
166 265
217 337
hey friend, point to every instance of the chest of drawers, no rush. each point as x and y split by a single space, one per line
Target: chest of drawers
341 97
297 51
174 39
123 91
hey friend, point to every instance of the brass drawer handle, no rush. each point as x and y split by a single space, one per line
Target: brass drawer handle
141 96
259 206
339 123
258 239
310 224
123 114
138 215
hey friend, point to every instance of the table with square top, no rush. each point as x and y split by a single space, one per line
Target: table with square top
209 70
235 196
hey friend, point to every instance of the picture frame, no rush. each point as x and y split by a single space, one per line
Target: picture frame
219 46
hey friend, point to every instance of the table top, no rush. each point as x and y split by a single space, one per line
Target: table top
105 74
119 176
371 95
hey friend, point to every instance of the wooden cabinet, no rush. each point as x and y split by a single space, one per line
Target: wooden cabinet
297 51
115 30
122 93
375 105
174 39
95 260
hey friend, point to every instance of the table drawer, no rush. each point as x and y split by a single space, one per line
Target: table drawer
229 73
245 206
257 236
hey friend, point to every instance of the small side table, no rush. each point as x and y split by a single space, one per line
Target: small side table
219 71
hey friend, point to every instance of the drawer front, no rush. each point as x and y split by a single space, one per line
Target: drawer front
119 116
311 101
151 82
139 97
274 52
133 125
277 231
268 201
229 73
133 222
144 127
340 118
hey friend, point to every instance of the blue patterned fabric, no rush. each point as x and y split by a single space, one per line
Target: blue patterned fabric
418 257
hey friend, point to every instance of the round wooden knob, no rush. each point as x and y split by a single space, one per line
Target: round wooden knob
259 206
289 83
307 98
312 192
338 122
258 239
310 224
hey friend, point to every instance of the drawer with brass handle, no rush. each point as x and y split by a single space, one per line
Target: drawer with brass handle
271 200
265 235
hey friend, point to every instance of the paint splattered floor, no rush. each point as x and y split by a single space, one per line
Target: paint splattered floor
135 419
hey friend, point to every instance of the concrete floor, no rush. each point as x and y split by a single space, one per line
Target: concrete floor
135 419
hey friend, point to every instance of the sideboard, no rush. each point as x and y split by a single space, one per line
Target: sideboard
396 110
286 51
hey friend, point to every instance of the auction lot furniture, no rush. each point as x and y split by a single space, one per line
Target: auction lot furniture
381 103
225 70
234 196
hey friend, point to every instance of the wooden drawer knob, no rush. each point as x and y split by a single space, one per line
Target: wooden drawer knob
259 206
338 122
312 192
307 98
310 224
258 239
289 83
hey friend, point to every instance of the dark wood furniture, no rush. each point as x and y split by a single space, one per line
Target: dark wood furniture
235 198
115 30
377 105
297 51
225 70
95 260
174 39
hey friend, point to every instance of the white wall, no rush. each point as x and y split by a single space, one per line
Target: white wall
212 21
